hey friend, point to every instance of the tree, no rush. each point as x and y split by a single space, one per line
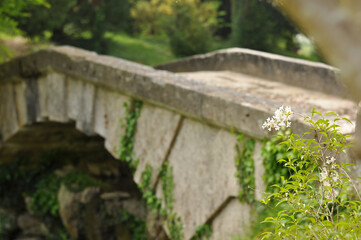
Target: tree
78 22
10 11
256 24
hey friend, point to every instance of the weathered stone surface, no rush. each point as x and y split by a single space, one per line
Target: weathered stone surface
232 221
80 104
51 96
135 207
230 90
21 103
31 225
156 128
56 97
88 194
154 224
258 171
108 169
69 211
182 94
9 123
109 110
64 171
42 113
296 72
203 172
115 195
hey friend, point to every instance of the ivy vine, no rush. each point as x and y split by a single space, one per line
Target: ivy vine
272 151
174 221
245 169
146 187
202 232
129 124
166 178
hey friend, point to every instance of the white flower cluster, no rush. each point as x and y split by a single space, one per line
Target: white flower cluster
282 118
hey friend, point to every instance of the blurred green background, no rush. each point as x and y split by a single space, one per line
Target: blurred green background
149 31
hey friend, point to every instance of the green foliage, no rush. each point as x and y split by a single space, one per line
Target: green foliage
256 24
18 178
146 187
129 124
77 181
135 224
44 199
10 13
141 49
202 232
173 222
11 9
78 22
58 234
315 198
245 169
190 27
188 24
272 152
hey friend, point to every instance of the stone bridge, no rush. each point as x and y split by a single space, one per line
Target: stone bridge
189 108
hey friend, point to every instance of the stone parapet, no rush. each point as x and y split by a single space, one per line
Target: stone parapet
296 72
186 95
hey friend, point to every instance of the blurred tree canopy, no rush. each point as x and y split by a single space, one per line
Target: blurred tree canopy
257 24
78 22
11 9
189 26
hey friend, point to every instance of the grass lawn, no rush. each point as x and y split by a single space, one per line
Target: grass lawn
147 51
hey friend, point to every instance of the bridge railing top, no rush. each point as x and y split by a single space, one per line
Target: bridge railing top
215 105
296 72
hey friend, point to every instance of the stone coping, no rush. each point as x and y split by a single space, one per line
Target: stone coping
300 73
211 104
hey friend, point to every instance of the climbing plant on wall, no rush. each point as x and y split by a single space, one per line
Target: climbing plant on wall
129 124
272 152
245 168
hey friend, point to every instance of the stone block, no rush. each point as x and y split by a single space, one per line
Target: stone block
156 128
42 112
259 171
56 97
109 110
21 103
80 104
52 98
203 171
9 123
31 225
233 220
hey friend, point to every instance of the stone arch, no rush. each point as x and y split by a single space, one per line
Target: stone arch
183 115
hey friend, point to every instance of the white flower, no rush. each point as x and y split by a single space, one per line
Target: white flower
330 160
282 118
323 174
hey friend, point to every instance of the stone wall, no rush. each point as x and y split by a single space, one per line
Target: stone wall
183 121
